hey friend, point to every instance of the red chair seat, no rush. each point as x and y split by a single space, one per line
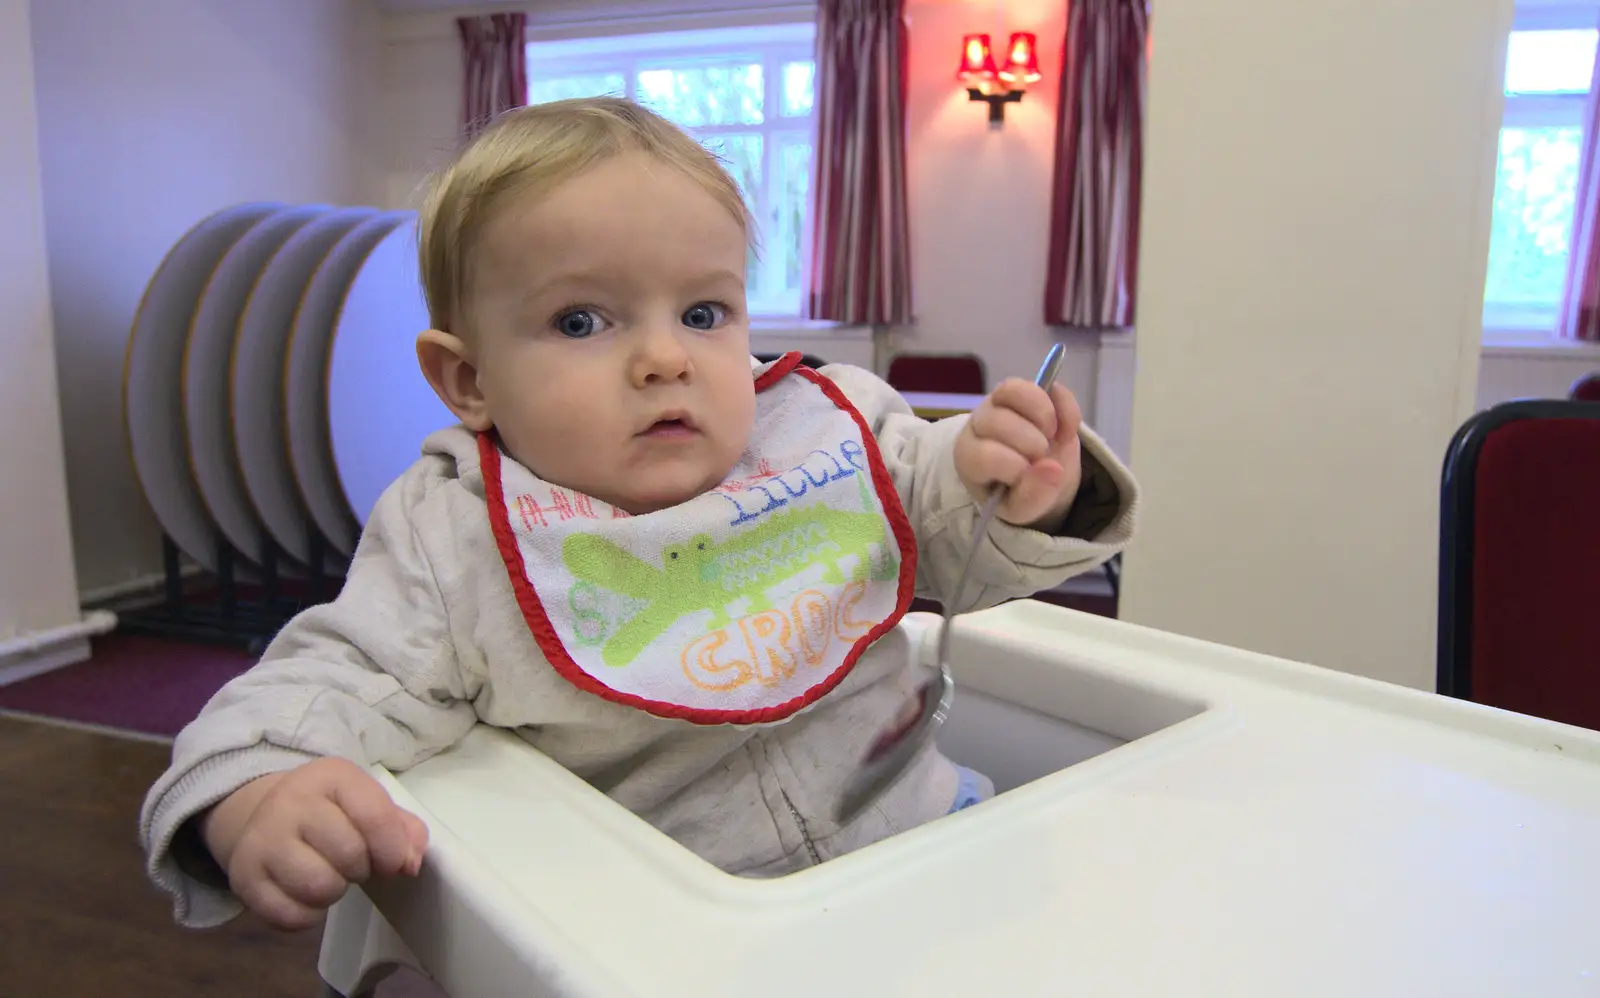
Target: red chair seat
956 373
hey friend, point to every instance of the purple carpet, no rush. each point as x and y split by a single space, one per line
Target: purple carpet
145 684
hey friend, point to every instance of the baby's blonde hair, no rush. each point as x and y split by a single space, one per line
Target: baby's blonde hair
526 152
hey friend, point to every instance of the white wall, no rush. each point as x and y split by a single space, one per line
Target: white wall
1316 223
152 116
37 587
980 198
420 78
1505 372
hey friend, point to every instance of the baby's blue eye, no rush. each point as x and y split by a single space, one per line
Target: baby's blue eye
578 324
704 316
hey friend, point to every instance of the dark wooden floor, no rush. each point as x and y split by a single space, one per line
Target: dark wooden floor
78 917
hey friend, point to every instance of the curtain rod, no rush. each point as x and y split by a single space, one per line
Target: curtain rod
538 29
571 18
403 26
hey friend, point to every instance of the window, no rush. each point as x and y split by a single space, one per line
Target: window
1549 63
744 93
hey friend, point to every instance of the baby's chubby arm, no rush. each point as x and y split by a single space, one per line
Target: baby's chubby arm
268 793
1070 506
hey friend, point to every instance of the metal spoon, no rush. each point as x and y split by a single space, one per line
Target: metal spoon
887 759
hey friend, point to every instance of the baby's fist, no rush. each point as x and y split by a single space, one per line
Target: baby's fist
1025 439
293 842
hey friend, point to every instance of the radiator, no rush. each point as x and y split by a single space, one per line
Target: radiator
1507 373
1113 393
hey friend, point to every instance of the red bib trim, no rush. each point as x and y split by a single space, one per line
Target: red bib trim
744 605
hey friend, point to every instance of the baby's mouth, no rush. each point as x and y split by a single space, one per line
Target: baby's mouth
670 426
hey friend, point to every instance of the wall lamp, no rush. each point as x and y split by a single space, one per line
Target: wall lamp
998 86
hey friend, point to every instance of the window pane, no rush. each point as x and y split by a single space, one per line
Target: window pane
1533 209
1550 62
695 96
799 86
541 91
793 204
741 154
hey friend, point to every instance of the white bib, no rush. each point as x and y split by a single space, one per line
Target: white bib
741 606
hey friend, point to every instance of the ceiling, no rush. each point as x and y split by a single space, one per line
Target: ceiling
413 5
632 7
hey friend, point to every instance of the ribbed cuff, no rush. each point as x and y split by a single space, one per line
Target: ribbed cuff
196 901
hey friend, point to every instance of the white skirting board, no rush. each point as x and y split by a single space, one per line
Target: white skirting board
138 591
37 652
17 668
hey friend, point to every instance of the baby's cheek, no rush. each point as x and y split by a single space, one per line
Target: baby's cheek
545 423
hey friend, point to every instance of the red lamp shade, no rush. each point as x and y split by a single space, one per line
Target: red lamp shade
1022 59
977 62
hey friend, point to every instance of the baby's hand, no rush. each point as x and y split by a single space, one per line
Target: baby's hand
1026 439
293 842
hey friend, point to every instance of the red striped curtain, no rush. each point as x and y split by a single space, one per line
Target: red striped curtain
1580 305
494 55
860 269
1094 199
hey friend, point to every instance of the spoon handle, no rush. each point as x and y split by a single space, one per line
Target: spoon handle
1047 375
888 757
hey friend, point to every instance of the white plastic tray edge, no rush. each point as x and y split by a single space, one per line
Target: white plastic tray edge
1028 624
519 934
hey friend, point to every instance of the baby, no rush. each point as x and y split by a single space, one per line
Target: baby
669 568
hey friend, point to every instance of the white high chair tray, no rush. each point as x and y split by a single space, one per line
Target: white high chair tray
1238 826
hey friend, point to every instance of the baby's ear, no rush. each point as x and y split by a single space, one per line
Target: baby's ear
448 366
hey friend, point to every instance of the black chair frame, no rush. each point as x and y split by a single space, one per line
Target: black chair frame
806 360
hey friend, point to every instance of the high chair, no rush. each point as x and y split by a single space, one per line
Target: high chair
1175 818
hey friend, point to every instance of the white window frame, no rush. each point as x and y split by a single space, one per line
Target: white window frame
774 44
1540 111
